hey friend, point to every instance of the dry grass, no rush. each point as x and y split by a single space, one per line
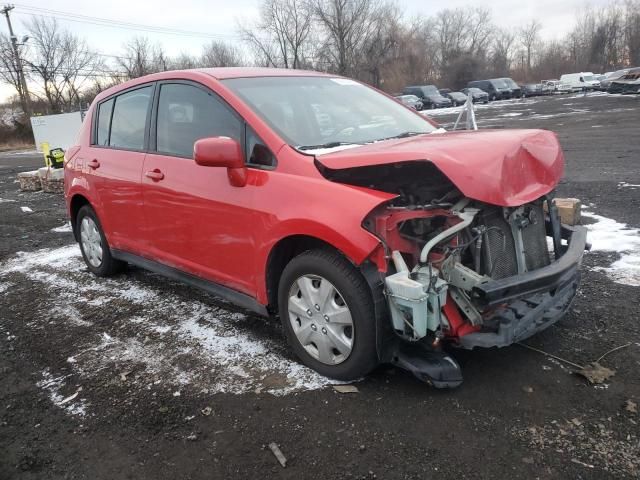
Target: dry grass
16 145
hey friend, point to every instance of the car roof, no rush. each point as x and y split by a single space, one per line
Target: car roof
222 73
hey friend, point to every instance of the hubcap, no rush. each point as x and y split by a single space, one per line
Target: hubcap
91 241
321 319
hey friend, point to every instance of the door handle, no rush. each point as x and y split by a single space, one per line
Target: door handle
154 175
93 164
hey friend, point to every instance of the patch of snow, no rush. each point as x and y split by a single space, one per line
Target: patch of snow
6 200
4 286
26 209
63 228
628 185
512 114
609 235
201 346
58 257
53 385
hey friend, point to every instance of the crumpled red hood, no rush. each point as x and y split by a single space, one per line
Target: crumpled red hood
500 167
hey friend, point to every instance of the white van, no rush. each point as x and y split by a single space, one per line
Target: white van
580 81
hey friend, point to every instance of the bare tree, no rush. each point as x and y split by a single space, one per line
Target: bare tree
141 58
502 51
221 54
59 62
347 27
529 36
632 31
281 36
184 61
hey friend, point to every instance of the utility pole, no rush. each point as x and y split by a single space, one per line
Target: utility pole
24 95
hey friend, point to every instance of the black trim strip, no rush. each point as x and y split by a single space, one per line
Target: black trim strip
241 299
544 279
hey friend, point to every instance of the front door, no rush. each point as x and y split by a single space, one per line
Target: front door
195 219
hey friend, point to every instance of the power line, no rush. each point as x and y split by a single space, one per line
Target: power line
107 22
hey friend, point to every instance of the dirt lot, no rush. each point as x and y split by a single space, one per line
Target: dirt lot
139 377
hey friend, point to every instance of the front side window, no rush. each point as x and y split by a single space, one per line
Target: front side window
187 113
318 112
104 119
129 119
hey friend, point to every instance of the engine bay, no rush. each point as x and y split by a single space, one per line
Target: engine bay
440 251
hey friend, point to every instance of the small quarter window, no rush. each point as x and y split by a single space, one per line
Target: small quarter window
258 153
104 118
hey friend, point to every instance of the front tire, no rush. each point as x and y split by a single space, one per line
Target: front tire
327 315
94 246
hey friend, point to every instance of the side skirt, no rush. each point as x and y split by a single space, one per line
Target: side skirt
237 298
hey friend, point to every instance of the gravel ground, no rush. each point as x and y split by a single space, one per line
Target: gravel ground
140 377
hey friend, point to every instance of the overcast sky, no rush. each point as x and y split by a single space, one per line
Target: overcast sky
219 18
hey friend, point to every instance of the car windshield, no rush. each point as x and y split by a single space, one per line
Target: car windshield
429 90
476 90
588 78
324 112
499 83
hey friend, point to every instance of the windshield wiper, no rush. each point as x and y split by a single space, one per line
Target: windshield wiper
326 145
402 135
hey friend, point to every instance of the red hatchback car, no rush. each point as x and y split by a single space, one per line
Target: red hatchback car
373 234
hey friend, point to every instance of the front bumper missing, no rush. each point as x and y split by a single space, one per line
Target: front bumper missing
531 302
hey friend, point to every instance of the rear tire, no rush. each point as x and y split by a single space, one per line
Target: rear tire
93 245
327 315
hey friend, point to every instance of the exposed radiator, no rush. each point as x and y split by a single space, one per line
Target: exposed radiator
498 249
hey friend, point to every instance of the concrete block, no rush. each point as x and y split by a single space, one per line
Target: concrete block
29 181
51 179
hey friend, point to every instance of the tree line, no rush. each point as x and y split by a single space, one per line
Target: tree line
371 40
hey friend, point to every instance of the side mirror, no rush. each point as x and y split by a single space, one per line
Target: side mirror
222 152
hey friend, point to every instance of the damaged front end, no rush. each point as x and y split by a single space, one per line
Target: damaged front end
474 275
462 271
477 274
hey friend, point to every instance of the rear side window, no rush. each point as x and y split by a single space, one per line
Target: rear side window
104 118
129 119
187 113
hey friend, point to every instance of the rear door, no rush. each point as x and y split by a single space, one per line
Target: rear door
113 165
196 220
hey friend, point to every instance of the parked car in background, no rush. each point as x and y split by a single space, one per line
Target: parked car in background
457 98
556 86
629 83
410 101
477 95
429 95
532 90
580 81
360 235
612 76
496 89
516 90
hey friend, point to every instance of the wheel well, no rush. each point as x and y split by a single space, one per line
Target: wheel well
281 254
77 202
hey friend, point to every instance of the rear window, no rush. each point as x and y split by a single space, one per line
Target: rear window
129 119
